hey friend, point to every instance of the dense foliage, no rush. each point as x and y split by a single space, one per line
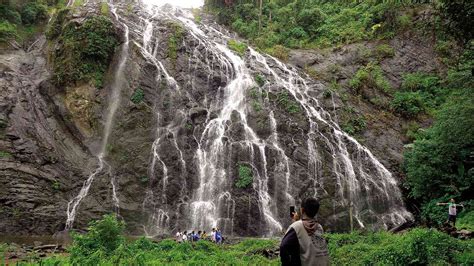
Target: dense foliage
86 49
17 19
440 163
104 244
459 15
416 247
370 76
307 23
245 178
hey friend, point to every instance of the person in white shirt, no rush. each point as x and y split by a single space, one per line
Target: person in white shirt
213 235
452 210
179 237
185 236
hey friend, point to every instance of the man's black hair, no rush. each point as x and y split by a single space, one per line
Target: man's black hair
310 206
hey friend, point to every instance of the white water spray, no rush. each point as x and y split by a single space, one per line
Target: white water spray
114 101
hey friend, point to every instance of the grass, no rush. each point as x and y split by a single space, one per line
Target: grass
238 47
418 246
466 221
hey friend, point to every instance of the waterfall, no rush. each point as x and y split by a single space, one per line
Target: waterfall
336 169
114 102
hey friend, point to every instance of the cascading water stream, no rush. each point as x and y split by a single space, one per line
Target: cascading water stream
114 101
298 88
359 179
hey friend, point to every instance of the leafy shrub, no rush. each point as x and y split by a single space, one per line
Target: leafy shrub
279 51
137 96
408 104
437 163
466 219
283 99
260 80
7 31
85 52
384 51
370 76
419 81
55 185
174 41
55 26
102 239
238 47
33 12
9 14
245 176
355 125
416 247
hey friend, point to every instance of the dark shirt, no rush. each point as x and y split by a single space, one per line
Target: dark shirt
290 249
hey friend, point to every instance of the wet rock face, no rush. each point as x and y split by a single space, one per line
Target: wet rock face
196 141
37 147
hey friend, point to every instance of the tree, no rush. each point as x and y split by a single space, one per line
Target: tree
459 14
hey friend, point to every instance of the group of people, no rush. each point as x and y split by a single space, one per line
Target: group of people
215 236
303 243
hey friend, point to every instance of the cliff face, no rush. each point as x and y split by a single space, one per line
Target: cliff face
199 136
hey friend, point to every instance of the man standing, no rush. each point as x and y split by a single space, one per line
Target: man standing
179 236
303 243
452 211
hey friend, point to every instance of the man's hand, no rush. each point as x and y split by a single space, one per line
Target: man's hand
295 216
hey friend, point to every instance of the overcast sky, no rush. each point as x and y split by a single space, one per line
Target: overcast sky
180 3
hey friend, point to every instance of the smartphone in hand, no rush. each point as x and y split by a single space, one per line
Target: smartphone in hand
292 211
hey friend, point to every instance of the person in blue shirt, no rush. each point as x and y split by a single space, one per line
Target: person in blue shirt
218 236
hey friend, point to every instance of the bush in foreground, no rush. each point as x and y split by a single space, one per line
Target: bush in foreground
104 244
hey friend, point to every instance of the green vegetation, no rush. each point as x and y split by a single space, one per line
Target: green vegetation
416 247
384 51
7 31
370 76
55 185
86 49
309 23
245 176
137 96
20 20
144 179
408 104
257 94
174 42
33 12
104 8
260 80
439 163
5 154
279 51
286 102
352 123
104 244
238 47
466 220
